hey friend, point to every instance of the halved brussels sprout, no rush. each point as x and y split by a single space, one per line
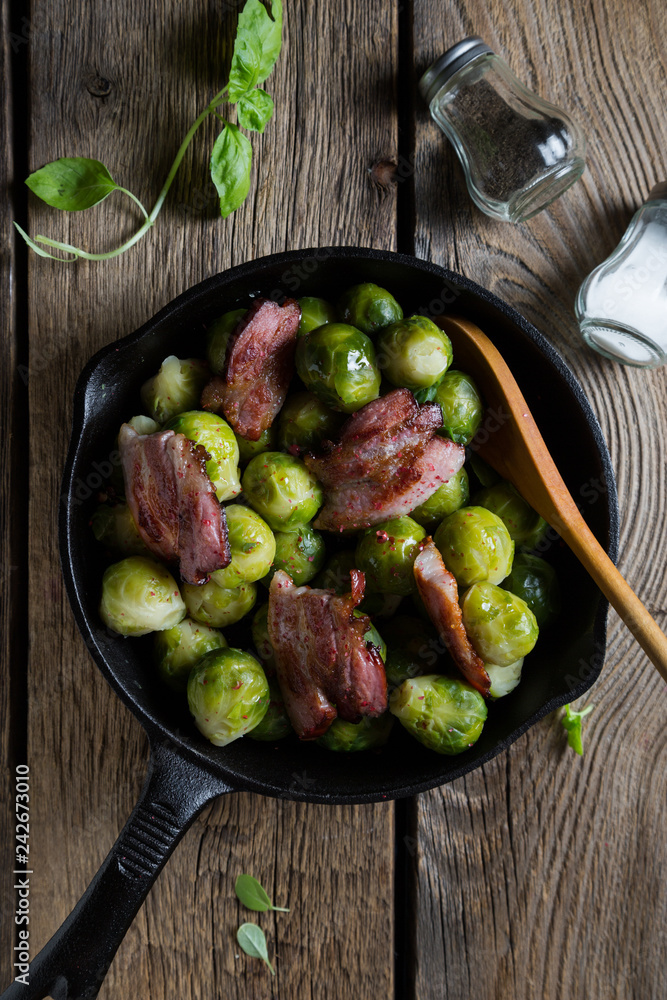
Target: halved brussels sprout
535 582
228 695
475 546
217 338
444 713
386 553
276 724
304 422
350 737
144 425
501 626
414 353
218 606
447 498
517 515
217 437
140 596
261 640
282 490
176 650
314 312
337 363
176 388
267 441
503 679
252 544
461 405
116 528
300 552
369 307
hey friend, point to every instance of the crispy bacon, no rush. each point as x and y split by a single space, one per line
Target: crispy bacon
439 592
324 665
173 501
387 460
258 368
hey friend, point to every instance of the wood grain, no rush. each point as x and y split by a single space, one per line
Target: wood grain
542 874
128 104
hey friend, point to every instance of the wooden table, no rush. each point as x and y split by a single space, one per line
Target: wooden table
539 875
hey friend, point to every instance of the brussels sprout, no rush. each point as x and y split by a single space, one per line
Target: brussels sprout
252 545
177 649
228 695
176 388
144 425
503 679
348 737
267 441
501 626
475 546
535 582
314 313
413 648
282 490
217 337
537 536
414 353
380 605
218 606
369 307
300 553
518 516
261 640
482 471
386 553
446 499
336 573
139 596
305 422
276 724
116 528
217 437
337 363
461 406
444 713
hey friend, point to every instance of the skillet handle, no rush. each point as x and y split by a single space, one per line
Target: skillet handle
75 961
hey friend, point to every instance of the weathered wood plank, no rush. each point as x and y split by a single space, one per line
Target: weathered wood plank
542 874
123 83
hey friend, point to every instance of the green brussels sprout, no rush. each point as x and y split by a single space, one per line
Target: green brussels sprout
444 713
518 516
501 626
217 337
139 596
217 437
386 553
336 573
380 605
535 582
537 536
413 648
414 353
177 649
282 490
228 695
337 363
305 422
300 552
115 528
144 425
369 307
276 724
482 471
461 405
372 636
314 313
349 737
447 498
475 546
267 441
252 544
176 388
261 640
218 606
503 679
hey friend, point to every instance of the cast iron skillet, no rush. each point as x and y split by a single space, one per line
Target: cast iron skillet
185 771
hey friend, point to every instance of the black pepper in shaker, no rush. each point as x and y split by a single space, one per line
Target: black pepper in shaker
518 151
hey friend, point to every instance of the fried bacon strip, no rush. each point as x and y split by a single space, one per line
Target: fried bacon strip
173 501
387 460
258 368
324 665
439 592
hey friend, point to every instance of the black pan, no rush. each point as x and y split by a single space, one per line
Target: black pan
185 771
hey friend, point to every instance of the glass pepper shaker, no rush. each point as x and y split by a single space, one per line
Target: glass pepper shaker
622 305
518 151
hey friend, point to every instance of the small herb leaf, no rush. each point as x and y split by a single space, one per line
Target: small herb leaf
254 896
572 723
72 183
255 110
256 47
230 168
251 939
38 250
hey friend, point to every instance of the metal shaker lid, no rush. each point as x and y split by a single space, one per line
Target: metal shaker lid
658 192
450 63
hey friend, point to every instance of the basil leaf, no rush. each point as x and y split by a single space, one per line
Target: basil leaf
230 168
256 47
72 183
572 723
252 941
255 110
251 893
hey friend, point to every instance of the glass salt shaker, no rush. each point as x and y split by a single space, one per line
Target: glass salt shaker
622 305
518 151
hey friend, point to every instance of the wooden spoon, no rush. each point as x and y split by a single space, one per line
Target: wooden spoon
516 450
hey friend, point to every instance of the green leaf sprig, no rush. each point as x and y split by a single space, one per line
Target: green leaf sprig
74 184
254 896
572 723
253 942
